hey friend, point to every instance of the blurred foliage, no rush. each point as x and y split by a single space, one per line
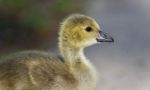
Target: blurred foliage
33 23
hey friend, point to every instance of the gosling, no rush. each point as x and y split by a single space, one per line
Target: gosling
37 70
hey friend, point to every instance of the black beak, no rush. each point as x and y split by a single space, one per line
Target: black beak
104 37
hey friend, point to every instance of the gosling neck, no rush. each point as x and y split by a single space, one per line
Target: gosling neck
71 55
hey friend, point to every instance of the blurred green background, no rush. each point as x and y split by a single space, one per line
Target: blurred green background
33 24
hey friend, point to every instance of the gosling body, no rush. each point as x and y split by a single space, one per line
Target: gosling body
38 70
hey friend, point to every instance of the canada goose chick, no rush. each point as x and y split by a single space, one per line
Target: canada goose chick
35 70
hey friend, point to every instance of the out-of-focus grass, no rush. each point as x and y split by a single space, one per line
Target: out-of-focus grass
33 24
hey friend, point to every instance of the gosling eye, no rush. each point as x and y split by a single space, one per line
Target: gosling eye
88 29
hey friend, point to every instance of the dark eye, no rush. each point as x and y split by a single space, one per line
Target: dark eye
88 29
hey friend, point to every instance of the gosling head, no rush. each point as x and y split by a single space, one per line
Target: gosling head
81 31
